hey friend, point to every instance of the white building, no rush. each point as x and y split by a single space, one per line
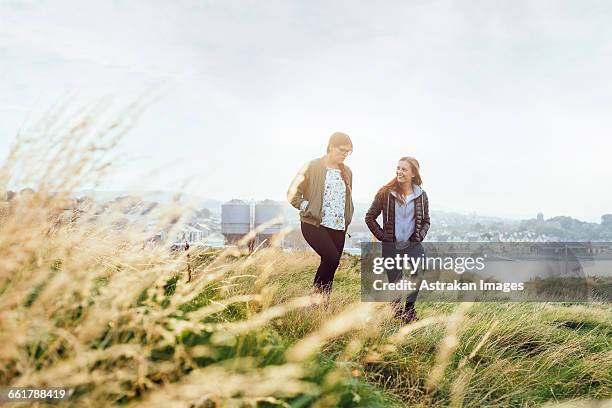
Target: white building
193 233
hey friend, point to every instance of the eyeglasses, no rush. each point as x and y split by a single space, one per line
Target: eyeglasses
345 152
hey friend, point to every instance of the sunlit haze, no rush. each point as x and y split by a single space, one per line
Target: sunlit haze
505 104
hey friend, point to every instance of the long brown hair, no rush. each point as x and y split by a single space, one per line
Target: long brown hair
393 185
339 139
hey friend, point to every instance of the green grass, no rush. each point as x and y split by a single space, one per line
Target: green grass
537 352
506 354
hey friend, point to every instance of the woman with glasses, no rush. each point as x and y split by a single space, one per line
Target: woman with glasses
322 193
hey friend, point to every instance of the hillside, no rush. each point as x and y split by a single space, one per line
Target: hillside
122 326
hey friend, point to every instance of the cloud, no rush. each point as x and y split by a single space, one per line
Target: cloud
481 92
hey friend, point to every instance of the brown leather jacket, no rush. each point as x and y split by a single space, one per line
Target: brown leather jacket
385 203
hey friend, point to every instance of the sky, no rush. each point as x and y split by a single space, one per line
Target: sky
506 104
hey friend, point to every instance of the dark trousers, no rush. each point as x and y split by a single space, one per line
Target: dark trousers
328 243
414 250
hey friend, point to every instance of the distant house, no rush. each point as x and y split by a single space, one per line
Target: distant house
203 227
193 233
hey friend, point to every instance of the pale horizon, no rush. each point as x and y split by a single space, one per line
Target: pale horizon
505 105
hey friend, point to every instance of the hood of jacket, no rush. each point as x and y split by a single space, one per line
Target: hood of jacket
416 192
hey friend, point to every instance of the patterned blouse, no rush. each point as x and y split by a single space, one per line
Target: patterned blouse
332 212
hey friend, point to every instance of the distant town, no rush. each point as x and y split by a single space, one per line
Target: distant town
212 223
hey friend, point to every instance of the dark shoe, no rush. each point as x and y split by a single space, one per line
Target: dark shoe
398 309
409 316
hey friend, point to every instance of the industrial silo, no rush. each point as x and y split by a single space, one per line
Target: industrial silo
270 213
235 220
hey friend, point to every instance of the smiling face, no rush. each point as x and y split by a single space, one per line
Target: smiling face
404 172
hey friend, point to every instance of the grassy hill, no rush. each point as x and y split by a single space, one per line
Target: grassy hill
90 309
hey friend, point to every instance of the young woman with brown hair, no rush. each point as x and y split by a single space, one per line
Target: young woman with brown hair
405 209
322 193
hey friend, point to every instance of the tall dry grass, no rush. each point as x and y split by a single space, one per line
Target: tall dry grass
96 308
